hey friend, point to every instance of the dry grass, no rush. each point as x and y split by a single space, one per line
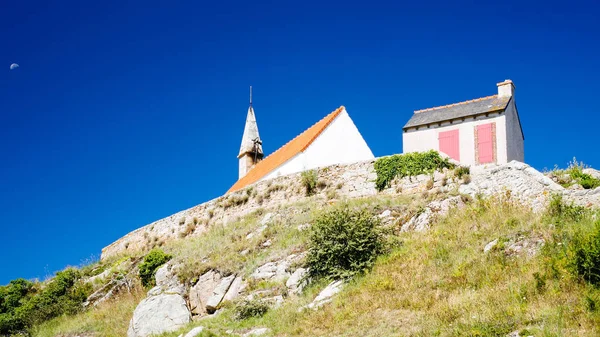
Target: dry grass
110 319
436 283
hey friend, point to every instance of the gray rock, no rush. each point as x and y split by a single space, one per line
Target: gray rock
202 291
218 294
236 287
326 295
194 332
256 332
158 314
490 245
385 214
593 172
265 220
168 280
297 281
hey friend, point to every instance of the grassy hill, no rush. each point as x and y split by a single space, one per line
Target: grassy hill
434 283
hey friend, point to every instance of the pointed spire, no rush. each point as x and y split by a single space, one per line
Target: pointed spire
251 142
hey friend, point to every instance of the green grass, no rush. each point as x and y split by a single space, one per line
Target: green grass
435 283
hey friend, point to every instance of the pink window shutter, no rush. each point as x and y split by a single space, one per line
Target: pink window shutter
485 143
448 141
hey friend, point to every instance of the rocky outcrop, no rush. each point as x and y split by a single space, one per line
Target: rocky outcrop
165 308
158 313
421 221
218 294
202 291
356 180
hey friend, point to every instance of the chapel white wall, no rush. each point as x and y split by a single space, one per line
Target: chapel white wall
427 139
339 143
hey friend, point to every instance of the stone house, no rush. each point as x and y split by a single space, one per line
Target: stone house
332 140
480 131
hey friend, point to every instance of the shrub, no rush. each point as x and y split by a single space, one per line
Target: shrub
247 309
585 260
407 165
25 304
558 210
344 242
148 267
461 171
309 181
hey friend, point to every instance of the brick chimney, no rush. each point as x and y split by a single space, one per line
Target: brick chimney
506 88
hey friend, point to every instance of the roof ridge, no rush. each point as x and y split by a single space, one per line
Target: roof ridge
286 152
454 104
300 134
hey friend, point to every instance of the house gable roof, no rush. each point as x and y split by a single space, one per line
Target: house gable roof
458 110
286 152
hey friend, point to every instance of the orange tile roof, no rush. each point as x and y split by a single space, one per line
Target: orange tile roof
286 152
454 104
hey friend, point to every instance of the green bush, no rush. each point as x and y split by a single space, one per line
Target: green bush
344 242
23 303
560 211
583 179
309 180
148 267
407 165
585 259
247 309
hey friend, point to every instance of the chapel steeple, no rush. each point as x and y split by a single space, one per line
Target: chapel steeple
251 149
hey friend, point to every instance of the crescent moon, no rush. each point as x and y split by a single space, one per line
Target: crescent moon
14 66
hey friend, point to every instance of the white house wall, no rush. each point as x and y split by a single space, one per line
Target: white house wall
339 143
514 135
427 139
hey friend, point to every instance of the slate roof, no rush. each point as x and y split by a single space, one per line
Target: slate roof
458 110
286 152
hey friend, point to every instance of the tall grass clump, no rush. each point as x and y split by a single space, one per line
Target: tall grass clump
309 181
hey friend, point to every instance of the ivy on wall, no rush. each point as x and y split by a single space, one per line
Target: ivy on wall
407 165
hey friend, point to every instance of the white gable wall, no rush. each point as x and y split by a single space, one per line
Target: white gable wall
427 139
339 143
514 134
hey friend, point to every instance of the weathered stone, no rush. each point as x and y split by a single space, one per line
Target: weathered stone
158 314
256 332
490 245
168 280
194 332
385 214
202 291
265 220
326 295
236 287
218 294
297 281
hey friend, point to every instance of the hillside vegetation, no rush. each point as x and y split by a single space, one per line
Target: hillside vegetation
489 267
434 283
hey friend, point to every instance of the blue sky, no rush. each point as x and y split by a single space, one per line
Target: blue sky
122 113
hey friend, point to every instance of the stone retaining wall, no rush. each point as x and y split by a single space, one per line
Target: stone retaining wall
343 182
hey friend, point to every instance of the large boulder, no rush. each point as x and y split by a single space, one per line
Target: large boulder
158 313
202 291
218 293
